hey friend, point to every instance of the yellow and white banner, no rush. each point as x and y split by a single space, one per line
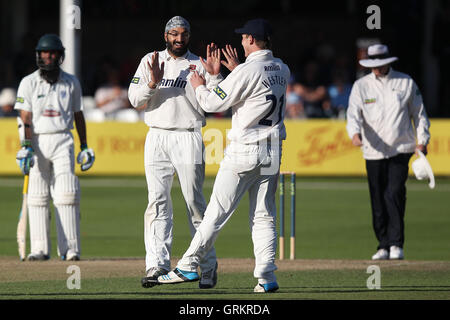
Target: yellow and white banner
313 147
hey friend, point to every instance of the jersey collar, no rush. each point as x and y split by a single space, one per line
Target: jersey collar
387 77
263 53
168 57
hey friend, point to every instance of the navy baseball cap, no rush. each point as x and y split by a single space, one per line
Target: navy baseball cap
258 28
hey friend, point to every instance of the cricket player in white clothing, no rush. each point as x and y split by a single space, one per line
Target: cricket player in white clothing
256 92
50 100
174 144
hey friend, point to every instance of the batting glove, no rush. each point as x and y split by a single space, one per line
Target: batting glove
24 157
86 157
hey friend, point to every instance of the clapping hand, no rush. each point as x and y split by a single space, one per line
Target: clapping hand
156 71
231 55
212 63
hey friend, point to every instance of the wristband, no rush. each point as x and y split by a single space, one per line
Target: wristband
26 143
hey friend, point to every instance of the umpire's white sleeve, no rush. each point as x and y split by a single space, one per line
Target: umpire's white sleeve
419 116
354 114
139 92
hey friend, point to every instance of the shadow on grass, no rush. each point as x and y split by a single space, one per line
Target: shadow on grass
235 292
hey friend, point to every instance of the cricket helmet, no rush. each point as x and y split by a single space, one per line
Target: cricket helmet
49 42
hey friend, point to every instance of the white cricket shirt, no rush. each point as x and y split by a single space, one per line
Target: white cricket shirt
256 92
389 113
172 105
52 105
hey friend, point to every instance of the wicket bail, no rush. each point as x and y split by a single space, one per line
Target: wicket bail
292 242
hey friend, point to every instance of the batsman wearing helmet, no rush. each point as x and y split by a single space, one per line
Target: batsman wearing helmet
49 101
173 145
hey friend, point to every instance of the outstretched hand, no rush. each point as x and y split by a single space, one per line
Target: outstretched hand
231 55
156 71
212 63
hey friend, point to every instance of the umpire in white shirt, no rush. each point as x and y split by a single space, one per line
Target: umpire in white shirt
387 119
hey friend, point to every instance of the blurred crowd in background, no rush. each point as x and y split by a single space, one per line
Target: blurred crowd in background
317 42
318 88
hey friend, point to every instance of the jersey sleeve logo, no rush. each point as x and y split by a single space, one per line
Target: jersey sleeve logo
135 80
19 100
222 95
368 101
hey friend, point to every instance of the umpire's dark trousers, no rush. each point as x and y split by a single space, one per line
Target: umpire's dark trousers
387 179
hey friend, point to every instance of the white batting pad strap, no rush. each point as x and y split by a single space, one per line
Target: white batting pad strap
66 190
68 228
38 191
39 229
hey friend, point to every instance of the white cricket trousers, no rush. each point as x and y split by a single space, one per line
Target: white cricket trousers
168 152
245 167
52 176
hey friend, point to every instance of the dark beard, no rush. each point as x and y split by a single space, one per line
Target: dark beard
51 76
176 52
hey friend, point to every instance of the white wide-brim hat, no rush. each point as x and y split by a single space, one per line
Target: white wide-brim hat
378 55
422 169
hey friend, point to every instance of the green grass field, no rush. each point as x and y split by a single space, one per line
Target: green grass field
333 221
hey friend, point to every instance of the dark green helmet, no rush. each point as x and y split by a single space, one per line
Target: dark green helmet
49 42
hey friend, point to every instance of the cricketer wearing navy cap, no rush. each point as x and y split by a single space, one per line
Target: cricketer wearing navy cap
260 29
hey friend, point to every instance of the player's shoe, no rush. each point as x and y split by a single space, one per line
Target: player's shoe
37 257
151 279
208 278
70 256
382 254
396 253
178 276
266 287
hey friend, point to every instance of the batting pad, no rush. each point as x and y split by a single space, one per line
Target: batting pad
38 191
66 198
68 228
39 220
66 190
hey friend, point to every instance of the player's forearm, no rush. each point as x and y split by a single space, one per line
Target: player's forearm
26 117
207 101
140 95
212 80
81 127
